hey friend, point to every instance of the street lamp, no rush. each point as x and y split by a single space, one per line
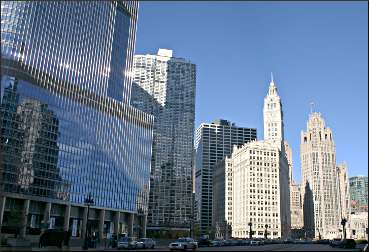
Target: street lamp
250 225
343 223
266 231
88 202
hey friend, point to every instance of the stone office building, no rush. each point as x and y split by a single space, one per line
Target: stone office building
67 129
213 141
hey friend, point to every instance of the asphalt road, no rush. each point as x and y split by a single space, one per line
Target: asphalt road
269 247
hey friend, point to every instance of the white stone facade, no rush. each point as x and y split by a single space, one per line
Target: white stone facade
357 226
343 190
261 178
273 116
321 205
256 190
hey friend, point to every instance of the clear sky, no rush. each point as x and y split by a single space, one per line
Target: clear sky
317 51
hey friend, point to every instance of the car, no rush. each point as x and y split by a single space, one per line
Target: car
204 242
365 249
227 242
347 244
146 243
183 243
127 243
52 237
245 242
217 243
323 241
335 242
254 243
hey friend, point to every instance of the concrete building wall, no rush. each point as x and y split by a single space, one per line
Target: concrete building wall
257 191
319 177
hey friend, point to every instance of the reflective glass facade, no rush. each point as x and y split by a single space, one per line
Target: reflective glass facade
164 86
66 126
83 42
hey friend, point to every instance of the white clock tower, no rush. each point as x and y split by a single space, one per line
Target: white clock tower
273 116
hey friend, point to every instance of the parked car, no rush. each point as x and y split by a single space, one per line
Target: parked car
183 244
146 243
254 243
217 243
204 242
323 241
52 237
227 243
347 244
245 242
335 242
127 243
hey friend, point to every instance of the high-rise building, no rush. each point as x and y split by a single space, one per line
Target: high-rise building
164 86
261 178
343 190
321 206
213 142
67 129
359 193
273 117
257 191
222 198
296 207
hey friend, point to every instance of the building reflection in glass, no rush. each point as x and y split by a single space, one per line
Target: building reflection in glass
29 144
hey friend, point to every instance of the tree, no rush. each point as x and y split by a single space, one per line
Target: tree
15 221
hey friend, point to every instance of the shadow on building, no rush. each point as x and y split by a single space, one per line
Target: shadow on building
308 210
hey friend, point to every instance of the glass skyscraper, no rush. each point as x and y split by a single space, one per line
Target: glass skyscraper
164 86
359 193
67 128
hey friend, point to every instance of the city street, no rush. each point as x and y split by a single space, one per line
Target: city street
271 247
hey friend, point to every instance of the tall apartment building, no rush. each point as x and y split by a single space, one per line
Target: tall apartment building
213 142
261 174
343 190
67 129
359 193
222 198
164 86
321 206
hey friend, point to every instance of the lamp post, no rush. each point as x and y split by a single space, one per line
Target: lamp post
266 231
88 202
250 225
343 223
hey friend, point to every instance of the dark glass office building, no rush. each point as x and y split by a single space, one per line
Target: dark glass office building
67 129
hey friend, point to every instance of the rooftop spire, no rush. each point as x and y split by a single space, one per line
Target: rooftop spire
271 78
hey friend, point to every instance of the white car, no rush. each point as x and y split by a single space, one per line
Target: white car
146 243
127 243
183 244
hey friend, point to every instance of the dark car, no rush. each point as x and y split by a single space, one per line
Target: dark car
348 244
53 237
324 241
204 242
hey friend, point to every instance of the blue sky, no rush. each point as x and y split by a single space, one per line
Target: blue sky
318 51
